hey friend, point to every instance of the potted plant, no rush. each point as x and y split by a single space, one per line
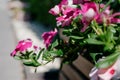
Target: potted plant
92 30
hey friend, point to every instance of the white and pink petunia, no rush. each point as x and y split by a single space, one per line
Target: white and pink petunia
22 46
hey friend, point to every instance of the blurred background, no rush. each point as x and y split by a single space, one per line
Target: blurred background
9 68
21 19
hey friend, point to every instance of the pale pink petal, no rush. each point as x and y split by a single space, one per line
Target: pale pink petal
55 10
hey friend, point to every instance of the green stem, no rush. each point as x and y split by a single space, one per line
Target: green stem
106 5
95 30
35 70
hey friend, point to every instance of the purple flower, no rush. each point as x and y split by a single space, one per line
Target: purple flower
48 36
23 45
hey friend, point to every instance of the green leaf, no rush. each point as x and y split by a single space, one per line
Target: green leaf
28 53
54 44
28 63
76 37
109 60
31 62
59 53
92 35
18 57
108 46
93 55
35 63
94 41
67 32
39 54
56 53
46 56
109 34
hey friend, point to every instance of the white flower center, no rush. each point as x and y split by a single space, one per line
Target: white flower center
90 13
56 9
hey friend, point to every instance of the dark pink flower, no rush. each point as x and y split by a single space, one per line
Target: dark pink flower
79 1
69 13
113 19
22 46
35 47
89 11
57 8
48 36
107 17
64 2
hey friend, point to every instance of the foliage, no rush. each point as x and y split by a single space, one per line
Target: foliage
93 31
38 11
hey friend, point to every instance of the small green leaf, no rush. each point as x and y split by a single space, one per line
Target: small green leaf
27 63
108 46
59 53
109 34
18 57
92 35
56 53
28 53
31 62
76 37
54 44
39 54
67 32
93 55
94 41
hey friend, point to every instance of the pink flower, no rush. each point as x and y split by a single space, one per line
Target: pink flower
69 13
35 47
113 19
107 17
64 2
55 11
66 11
79 1
57 8
22 46
48 36
89 11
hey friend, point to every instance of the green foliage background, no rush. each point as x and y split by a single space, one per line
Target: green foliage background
38 10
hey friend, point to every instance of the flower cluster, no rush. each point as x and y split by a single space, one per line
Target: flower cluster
93 31
27 52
